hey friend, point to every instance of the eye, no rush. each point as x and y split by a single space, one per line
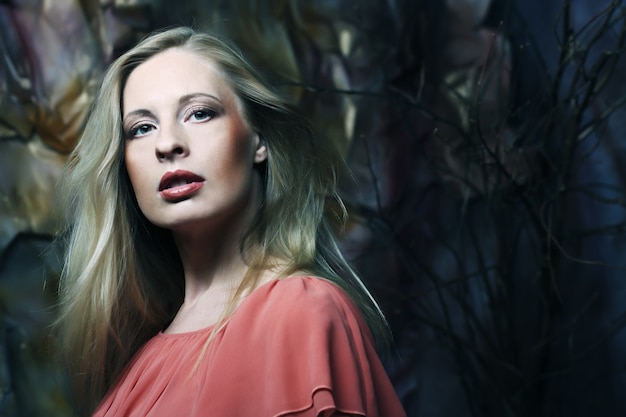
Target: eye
139 130
201 114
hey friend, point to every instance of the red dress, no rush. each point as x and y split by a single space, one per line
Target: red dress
294 347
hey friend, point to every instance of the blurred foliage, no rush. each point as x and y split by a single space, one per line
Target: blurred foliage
484 140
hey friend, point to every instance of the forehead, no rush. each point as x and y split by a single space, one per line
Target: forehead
173 73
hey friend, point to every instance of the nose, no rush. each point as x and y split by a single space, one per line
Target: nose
170 144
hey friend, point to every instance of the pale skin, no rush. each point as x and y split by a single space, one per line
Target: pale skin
181 118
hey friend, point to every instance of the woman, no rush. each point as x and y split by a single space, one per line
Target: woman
202 277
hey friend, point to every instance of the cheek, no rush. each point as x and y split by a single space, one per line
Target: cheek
130 169
135 172
241 163
232 159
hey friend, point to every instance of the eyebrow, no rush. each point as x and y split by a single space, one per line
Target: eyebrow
184 99
189 97
139 113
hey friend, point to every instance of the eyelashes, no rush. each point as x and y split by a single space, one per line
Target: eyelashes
201 114
196 114
138 130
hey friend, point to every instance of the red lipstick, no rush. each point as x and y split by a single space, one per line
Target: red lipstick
179 185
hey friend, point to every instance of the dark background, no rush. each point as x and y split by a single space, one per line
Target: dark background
486 142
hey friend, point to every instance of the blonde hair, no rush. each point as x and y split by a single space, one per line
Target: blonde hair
122 279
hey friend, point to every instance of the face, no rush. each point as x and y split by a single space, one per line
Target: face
189 151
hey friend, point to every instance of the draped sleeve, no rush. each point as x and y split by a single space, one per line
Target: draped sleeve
312 353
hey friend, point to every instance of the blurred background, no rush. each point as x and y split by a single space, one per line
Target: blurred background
487 149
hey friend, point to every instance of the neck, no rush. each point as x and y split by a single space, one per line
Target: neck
211 260
211 252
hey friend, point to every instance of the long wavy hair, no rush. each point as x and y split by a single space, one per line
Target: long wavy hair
122 280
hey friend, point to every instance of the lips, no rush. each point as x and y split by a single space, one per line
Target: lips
179 184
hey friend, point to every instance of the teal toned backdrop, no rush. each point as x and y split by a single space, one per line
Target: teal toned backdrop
487 145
